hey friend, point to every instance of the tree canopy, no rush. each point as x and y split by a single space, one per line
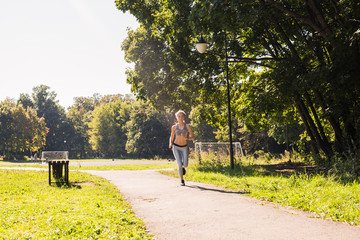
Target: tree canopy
293 63
21 130
107 128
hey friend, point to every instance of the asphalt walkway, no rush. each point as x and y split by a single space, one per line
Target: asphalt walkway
201 211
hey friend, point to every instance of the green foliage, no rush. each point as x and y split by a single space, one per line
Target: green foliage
47 106
203 131
147 135
107 128
21 130
129 128
93 126
79 117
31 209
253 141
301 69
346 167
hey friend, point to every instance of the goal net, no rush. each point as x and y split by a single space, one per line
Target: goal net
218 149
51 155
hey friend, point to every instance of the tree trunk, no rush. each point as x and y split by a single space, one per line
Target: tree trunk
282 32
313 144
304 19
339 138
349 128
317 120
316 12
326 149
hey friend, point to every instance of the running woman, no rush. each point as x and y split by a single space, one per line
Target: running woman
180 134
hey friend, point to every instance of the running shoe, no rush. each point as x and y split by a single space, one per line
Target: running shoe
182 183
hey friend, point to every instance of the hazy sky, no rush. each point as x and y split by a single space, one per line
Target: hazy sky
72 46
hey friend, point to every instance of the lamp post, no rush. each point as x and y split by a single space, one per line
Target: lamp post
201 47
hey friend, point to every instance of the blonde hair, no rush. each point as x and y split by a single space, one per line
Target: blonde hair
180 111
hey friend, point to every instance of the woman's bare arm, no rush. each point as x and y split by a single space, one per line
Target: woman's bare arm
172 136
191 134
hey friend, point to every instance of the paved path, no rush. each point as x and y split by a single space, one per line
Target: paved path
116 162
201 211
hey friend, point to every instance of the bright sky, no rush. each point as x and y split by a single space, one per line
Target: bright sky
72 46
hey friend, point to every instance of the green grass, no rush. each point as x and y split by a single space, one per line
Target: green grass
86 160
100 168
31 209
326 196
23 165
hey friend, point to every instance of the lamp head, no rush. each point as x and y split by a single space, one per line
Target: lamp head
201 45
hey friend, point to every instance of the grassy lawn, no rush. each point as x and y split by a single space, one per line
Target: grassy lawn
134 166
91 209
102 168
34 210
326 196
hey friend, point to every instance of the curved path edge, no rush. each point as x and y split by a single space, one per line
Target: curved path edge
202 211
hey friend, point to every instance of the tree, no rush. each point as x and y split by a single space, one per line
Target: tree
21 129
36 130
47 107
80 115
107 128
147 132
25 100
6 120
203 131
306 58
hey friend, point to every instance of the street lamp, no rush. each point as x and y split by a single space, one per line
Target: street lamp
201 46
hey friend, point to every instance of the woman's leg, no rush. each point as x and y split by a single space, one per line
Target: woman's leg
178 154
185 157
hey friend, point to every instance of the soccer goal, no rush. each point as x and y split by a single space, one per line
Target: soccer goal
219 149
51 155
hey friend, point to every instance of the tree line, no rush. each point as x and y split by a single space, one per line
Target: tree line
294 71
110 126
98 126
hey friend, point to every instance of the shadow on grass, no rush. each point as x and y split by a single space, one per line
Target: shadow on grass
62 184
215 190
15 161
285 169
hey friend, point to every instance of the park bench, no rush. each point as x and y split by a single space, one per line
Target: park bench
58 169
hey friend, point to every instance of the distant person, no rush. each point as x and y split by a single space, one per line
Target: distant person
180 134
35 156
32 157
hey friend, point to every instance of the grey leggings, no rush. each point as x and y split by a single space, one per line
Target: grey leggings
181 156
